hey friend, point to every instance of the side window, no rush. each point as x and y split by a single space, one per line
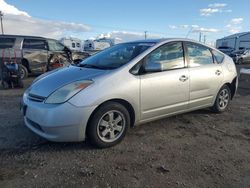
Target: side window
78 45
199 55
219 57
73 45
167 57
7 42
55 45
34 44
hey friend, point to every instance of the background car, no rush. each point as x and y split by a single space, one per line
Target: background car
243 57
226 50
38 55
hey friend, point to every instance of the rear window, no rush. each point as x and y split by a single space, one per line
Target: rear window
34 44
218 56
7 42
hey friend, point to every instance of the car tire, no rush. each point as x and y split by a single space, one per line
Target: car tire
108 125
23 72
222 100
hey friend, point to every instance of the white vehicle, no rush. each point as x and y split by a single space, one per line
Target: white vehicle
95 45
74 44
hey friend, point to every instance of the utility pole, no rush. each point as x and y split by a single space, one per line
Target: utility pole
1 17
204 39
200 37
145 33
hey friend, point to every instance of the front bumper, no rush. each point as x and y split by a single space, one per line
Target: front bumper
56 122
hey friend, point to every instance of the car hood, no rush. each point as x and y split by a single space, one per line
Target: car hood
49 83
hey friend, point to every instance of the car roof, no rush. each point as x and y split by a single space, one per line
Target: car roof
165 40
22 36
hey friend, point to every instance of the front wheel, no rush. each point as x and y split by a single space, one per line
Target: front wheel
222 100
108 125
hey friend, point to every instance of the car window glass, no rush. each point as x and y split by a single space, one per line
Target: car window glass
34 44
55 45
78 45
218 56
6 42
198 55
169 56
117 55
73 45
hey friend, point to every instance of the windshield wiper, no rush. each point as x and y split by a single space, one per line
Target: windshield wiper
91 66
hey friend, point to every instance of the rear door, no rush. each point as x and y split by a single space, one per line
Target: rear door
205 74
35 51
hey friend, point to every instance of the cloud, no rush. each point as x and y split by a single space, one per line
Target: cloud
217 5
237 21
205 30
214 8
185 26
21 23
10 9
194 28
234 30
208 11
234 26
123 36
172 26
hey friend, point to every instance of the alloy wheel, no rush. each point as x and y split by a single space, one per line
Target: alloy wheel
223 99
111 126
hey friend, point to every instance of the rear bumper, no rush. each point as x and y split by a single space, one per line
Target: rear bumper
61 122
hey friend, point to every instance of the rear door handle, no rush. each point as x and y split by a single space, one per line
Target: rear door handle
218 72
183 78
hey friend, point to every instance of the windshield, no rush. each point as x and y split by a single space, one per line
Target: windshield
116 56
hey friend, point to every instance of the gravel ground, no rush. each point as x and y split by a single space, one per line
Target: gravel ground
198 149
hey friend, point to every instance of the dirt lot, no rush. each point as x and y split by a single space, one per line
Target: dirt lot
198 149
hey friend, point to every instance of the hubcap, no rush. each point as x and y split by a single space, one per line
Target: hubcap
22 73
223 99
111 126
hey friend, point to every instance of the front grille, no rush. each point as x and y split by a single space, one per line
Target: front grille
34 124
36 98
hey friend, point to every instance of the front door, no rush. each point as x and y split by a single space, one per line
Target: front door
58 55
164 90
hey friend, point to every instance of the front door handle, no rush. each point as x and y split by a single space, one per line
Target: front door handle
183 78
218 72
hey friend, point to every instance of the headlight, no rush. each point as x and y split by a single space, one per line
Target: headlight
64 93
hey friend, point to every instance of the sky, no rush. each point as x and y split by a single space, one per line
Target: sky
126 20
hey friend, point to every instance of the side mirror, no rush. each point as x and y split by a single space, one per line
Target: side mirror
153 67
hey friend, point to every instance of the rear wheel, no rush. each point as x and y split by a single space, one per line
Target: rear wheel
108 125
222 100
23 72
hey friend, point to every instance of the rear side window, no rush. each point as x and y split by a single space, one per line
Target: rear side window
34 44
199 55
218 56
7 42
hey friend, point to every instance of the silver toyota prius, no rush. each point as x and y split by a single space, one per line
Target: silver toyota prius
126 85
